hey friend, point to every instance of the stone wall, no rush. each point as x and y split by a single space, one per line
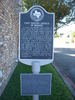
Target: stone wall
8 38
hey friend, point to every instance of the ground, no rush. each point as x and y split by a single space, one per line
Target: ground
64 59
59 89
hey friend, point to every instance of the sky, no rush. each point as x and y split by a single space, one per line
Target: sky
68 29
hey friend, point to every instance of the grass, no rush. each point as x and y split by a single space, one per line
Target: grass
59 89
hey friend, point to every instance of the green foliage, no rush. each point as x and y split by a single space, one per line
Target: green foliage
59 89
57 6
56 35
73 34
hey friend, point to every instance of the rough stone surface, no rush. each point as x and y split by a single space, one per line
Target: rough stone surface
9 10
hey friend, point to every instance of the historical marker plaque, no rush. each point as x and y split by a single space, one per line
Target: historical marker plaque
36 34
35 84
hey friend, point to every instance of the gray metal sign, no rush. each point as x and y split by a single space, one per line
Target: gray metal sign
32 84
36 35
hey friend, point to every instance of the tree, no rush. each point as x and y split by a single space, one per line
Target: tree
71 16
60 8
